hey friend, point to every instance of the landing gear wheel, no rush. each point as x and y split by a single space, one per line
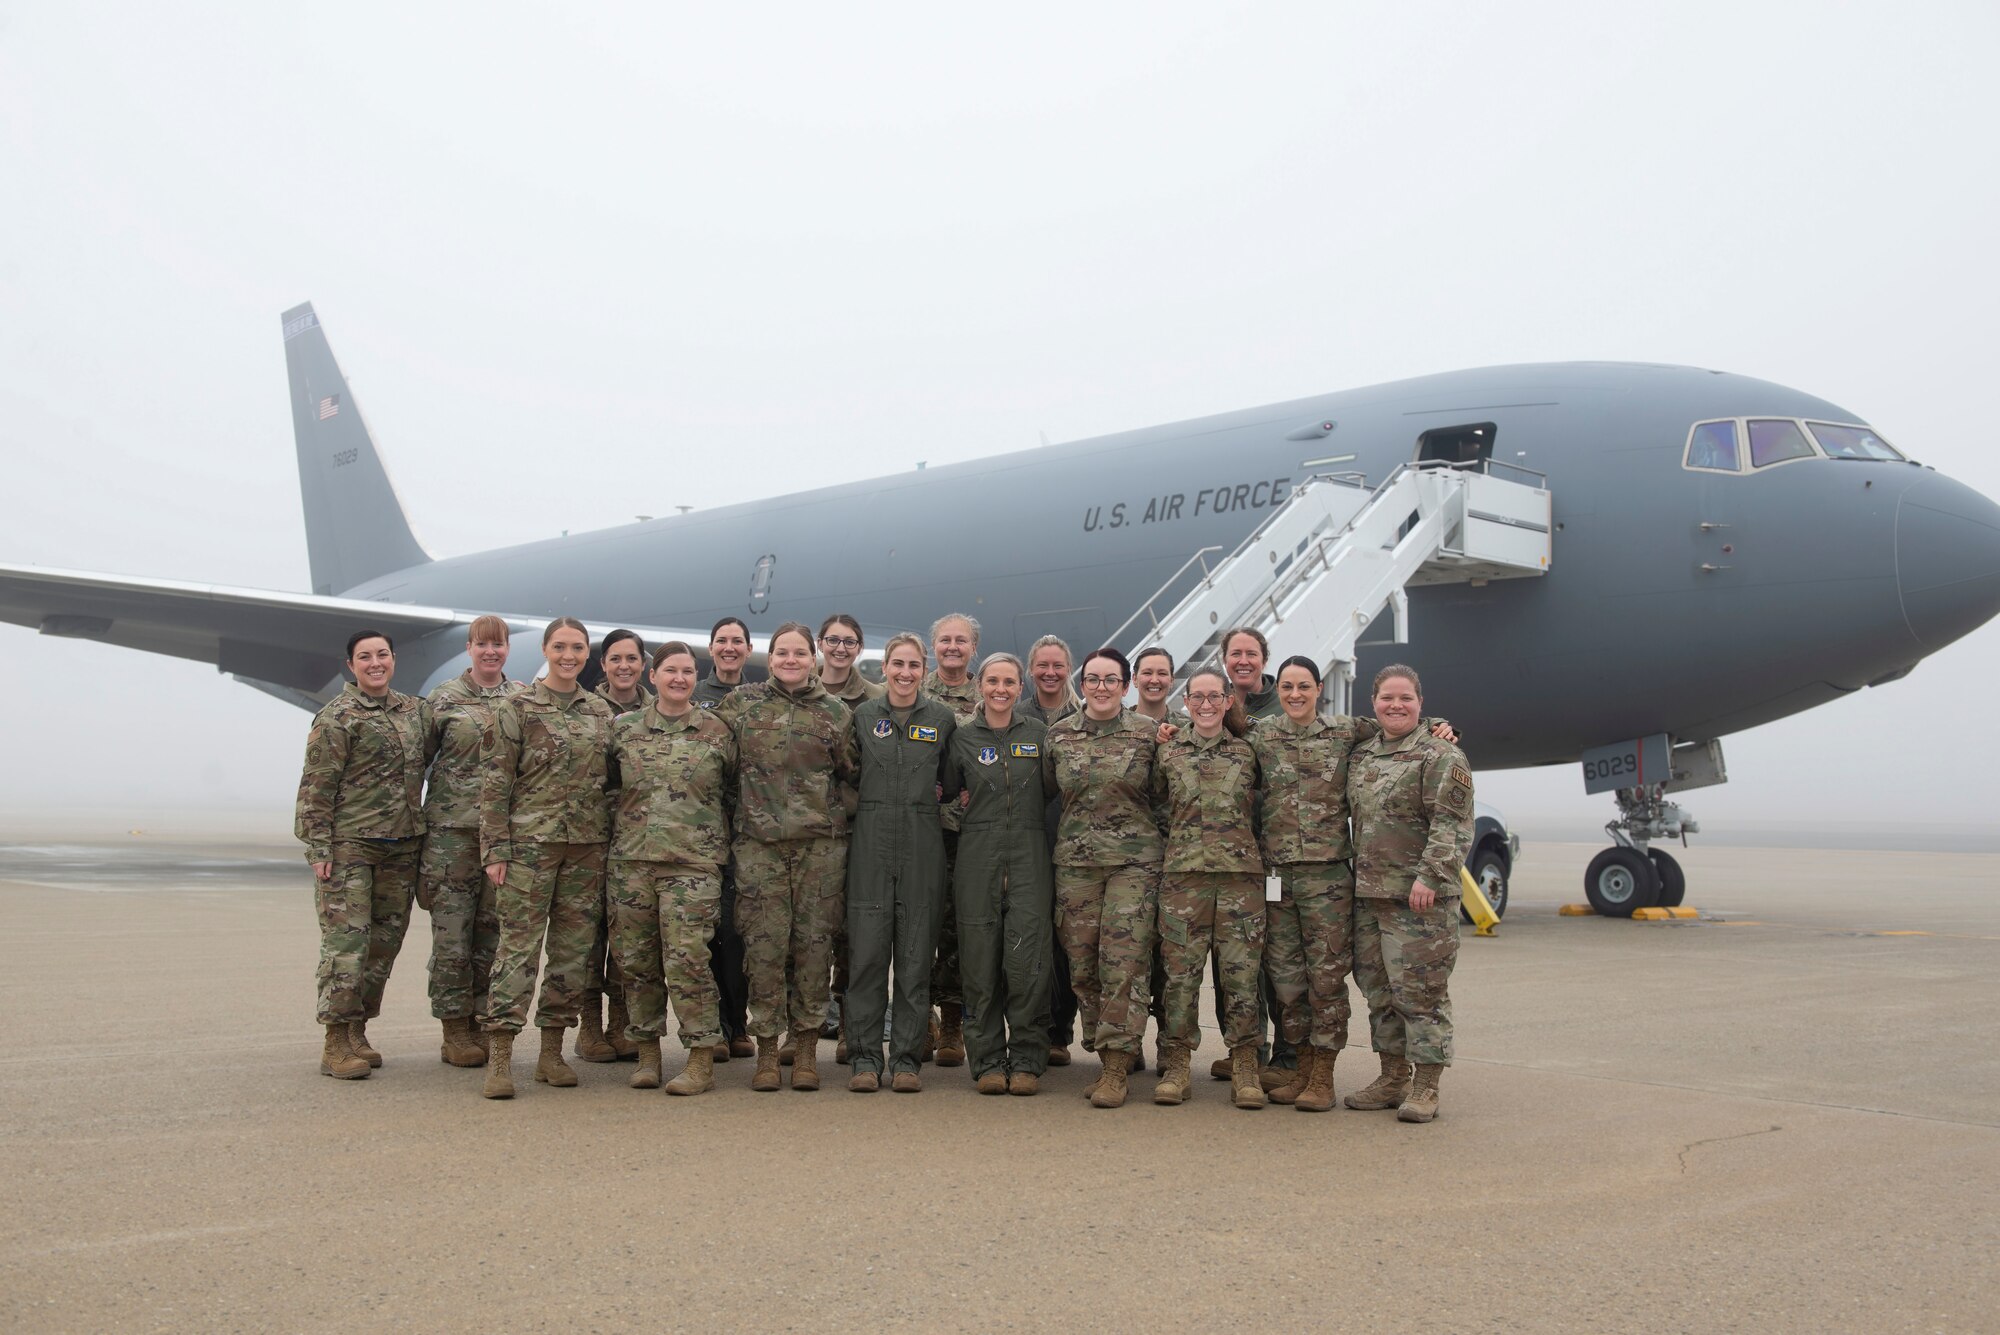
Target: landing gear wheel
1489 870
1673 882
1620 880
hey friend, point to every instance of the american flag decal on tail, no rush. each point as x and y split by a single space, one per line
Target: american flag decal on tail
329 407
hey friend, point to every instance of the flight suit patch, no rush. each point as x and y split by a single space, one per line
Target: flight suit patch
988 755
920 733
883 727
1024 750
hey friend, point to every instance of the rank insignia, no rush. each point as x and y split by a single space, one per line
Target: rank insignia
988 754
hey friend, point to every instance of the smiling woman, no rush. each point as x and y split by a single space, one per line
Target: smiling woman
360 816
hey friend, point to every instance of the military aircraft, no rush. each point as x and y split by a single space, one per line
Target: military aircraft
1722 552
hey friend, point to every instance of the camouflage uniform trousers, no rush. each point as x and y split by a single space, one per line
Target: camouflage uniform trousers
790 897
1402 960
552 894
663 915
465 926
606 978
1106 921
1222 911
364 909
1309 951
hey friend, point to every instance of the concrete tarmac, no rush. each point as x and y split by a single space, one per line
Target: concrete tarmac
1784 1117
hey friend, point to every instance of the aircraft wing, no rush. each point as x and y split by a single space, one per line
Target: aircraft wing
284 639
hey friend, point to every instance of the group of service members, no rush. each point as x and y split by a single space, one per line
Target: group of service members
986 841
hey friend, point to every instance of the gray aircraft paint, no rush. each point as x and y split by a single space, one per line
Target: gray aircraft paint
1836 573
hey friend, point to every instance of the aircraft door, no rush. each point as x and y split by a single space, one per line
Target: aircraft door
1465 444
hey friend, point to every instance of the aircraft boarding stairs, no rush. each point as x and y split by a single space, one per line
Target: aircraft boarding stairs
1329 561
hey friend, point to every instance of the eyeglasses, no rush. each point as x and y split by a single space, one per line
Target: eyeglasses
1095 682
840 641
1205 697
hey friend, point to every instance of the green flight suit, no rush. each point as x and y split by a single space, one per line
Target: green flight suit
896 878
1002 892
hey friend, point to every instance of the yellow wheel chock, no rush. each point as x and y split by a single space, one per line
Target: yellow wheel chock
1484 919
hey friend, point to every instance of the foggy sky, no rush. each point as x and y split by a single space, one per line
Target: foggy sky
582 266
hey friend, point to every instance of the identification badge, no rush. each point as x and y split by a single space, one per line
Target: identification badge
919 733
1274 889
988 755
1024 749
883 727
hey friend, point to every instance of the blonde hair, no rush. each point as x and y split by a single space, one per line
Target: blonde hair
911 638
488 628
1396 670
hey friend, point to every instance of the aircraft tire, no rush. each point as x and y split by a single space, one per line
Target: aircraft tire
1489 869
1620 880
1673 881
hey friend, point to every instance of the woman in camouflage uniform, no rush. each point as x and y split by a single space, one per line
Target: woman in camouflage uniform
1212 896
1000 885
465 926
674 770
622 655
360 815
543 820
796 771
1411 795
1107 865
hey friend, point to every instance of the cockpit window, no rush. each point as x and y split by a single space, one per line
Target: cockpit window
1774 440
1712 446
1852 442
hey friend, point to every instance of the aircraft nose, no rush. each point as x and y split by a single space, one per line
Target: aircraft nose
1947 560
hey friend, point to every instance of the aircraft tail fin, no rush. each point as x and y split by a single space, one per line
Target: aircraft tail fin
355 527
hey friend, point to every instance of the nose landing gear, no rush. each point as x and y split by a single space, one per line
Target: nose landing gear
1633 874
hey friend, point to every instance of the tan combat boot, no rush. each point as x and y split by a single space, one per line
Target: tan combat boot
1173 1086
1247 1090
647 1050
338 1058
1024 1083
907 1082
591 1045
614 1031
993 1082
1421 1103
863 1082
1317 1096
785 1050
459 1048
1109 1092
766 1077
1222 1068
1388 1089
805 1060
1289 1091
550 1068
698 1076
357 1039
951 1034
499 1065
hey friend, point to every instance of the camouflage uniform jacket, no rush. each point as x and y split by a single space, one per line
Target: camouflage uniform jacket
961 699
364 771
1104 771
1302 807
796 762
460 711
546 765
674 781
1412 804
1032 708
1206 788
645 698
856 689
708 692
